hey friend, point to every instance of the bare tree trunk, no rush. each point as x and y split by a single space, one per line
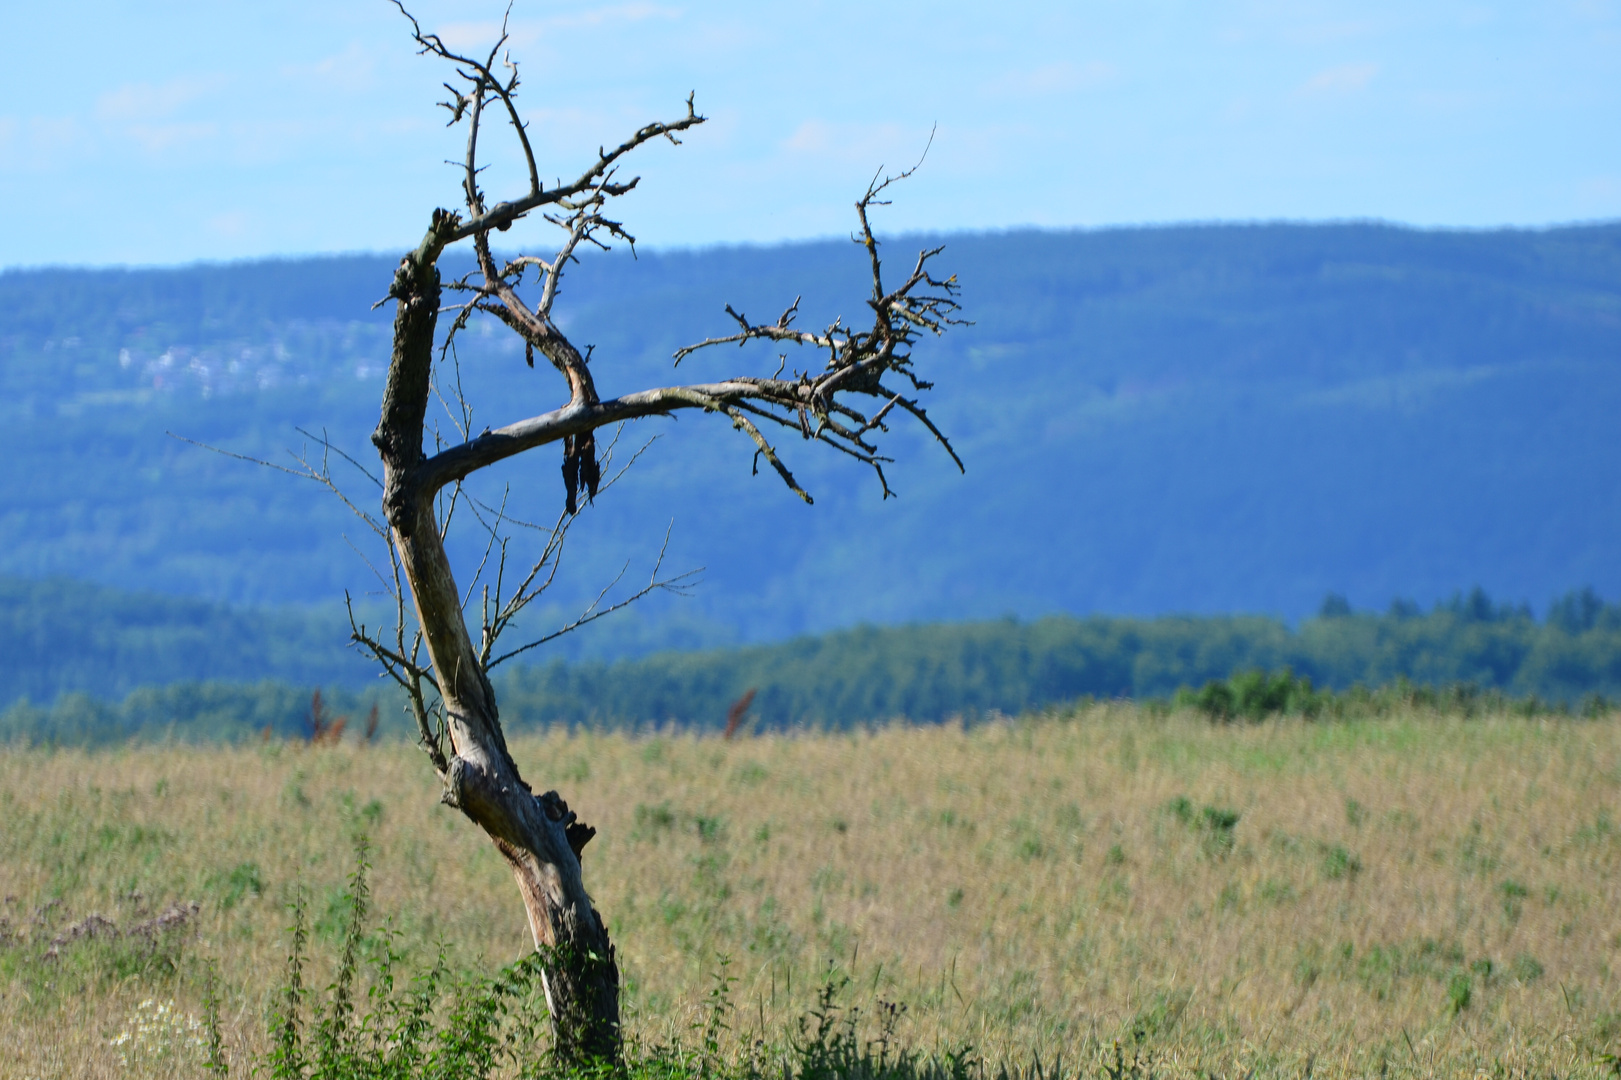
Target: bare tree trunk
536 836
844 403
539 837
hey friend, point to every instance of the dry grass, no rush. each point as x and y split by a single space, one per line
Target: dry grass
1037 886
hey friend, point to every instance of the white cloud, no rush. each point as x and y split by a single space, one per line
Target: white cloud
39 143
1599 195
161 138
146 102
1596 10
1327 33
469 35
1300 22
811 137
232 224
521 32
352 69
1051 79
616 13
1344 79
855 141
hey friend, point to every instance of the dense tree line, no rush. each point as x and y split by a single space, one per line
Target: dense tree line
59 636
937 671
934 672
187 711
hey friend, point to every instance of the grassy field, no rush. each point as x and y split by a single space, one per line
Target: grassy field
1412 896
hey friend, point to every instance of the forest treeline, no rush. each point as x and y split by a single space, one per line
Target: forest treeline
935 672
59 636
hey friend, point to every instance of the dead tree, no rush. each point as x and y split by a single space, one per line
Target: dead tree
859 380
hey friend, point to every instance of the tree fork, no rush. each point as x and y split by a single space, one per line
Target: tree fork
843 403
540 838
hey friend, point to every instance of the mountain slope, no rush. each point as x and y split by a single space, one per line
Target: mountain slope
1202 419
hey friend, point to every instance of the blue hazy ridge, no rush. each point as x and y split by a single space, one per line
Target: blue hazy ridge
1195 420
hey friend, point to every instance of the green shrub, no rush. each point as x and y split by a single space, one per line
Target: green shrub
1340 862
1254 695
434 1027
1214 824
1460 990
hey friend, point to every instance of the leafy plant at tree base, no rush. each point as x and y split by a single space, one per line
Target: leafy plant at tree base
438 1025
434 1026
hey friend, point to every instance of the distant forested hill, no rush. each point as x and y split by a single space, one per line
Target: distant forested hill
925 673
59 636
1197 419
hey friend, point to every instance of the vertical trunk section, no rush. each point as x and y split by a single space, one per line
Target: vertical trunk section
538 836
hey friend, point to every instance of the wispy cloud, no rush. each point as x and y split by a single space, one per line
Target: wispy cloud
1344 79
1600 195
1050 79
34 144
467 35
475 35
854 141
230 224
161 138
1295 23
616 13
1596 10
1327 33
352 69
146 102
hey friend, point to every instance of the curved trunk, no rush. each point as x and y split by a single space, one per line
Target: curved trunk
537 835
540 838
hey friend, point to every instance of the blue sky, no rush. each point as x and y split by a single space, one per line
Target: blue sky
151 133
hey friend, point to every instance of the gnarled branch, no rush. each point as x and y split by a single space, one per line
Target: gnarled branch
845 398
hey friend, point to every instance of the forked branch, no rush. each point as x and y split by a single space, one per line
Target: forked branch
823 404
858 379
482 83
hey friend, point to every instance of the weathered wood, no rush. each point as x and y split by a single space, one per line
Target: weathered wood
540 838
